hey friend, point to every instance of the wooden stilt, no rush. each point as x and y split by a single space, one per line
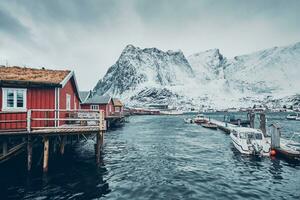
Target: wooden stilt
252 118
102 139
54 145
98 148
29 153
62 145
262 125
46 154
4 147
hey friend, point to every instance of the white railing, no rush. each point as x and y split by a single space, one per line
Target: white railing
51 119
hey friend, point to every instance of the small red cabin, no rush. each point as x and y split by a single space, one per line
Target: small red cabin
118 107
23 89
97 102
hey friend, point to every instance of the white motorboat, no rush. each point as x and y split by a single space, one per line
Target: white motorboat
200 119
250 141
293 117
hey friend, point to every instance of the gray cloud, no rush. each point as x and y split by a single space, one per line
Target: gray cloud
88 36
12 26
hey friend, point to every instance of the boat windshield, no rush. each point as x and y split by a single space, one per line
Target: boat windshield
257 136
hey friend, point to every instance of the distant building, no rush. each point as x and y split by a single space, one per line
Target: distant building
97 102
118 106
24 88
84 95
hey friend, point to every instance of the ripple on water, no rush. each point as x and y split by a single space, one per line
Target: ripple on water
158 157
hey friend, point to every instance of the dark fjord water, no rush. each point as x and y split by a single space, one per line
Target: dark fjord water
156 157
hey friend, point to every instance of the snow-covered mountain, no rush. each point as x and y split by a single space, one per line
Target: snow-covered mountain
149 72
151 76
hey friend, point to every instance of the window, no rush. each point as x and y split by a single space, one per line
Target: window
13 99
117 109
94 107
110 108
68 102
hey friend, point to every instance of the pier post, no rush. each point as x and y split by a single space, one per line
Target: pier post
98 148
262 120
28 121
100 136
62 145
102 139
46 154
275 137
252 118
4 147
29 152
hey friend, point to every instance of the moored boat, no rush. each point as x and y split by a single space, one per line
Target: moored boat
209 125
293 116
250 141
199 119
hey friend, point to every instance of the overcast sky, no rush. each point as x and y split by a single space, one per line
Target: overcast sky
88 36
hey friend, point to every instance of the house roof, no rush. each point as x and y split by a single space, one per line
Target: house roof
32 77
117 102
84 95
97 99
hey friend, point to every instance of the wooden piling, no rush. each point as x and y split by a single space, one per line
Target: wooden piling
62 145
102 139
98 148
29 153
4 147
262 124
46 154
54 145
252 118
275 136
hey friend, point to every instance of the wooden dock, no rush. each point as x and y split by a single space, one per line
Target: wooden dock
224 126
49 124
278 144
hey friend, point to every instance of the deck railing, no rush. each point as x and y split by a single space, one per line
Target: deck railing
34 119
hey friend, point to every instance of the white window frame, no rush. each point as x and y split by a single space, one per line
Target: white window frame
68 101
15 90
94 107
117 109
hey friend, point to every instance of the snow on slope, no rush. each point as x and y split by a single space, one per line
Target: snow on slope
151 76
149 71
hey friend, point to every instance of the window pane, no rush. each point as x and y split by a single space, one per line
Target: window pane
20 99
10 99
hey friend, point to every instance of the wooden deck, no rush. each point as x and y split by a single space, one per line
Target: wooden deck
44 125
62 130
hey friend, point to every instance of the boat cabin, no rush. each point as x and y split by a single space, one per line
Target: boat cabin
247 133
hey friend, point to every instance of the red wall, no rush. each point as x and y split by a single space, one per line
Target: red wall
36 99
70 89
104 107
40 98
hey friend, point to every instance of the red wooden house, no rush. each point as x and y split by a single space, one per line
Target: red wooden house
23 89
118 107
97 102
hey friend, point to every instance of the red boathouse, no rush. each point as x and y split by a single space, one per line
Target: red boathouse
23 89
